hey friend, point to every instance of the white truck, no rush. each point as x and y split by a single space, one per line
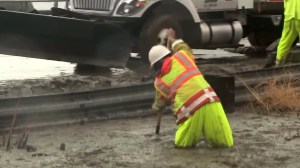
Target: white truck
201 23
104 32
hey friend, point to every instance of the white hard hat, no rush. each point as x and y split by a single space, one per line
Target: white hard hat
156 53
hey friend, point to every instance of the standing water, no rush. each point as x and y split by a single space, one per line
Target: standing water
13 67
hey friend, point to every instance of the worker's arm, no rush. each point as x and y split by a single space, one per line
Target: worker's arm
180 45
160 102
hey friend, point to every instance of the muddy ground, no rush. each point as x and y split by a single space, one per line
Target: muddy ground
260 141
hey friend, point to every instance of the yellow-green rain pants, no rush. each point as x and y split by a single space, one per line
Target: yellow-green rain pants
291 29
208 122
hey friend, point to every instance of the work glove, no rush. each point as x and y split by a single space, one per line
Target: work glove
171 37
156 108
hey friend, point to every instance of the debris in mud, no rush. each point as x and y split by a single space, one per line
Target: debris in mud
3 140
146 78
293 136
94 152
230 163
82 122
62 147
282 158
12 126
30 148
20 159
22 140
3 92
251 51
39 154
83 69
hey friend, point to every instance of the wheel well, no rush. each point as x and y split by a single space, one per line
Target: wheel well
169 7
189 27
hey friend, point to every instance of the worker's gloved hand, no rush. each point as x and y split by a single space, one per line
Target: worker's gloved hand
156 108
171 34
171 37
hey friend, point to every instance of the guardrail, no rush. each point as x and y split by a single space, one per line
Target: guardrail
94 105
255 77
121 102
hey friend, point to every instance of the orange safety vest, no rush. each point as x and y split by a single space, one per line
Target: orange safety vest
184 76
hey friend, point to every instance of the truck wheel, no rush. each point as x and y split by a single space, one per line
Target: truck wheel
152 28
263 39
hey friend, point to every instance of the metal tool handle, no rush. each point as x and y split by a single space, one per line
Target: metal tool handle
158 122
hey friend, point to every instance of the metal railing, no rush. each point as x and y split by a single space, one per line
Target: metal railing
122 102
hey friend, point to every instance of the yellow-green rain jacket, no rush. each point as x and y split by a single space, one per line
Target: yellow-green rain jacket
291 9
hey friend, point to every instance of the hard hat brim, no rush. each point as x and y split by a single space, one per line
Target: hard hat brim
152 65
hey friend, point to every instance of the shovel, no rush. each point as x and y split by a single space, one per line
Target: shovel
159 113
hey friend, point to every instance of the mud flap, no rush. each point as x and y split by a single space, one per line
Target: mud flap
63 39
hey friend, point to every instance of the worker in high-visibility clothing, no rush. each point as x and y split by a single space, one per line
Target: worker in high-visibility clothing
291 29
179 83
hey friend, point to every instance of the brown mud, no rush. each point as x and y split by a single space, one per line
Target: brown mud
260 141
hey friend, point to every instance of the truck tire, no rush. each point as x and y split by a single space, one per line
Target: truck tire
263 39
152 28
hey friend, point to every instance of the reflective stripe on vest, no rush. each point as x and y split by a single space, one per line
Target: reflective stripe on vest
162 86
194 103
184 60
181 79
